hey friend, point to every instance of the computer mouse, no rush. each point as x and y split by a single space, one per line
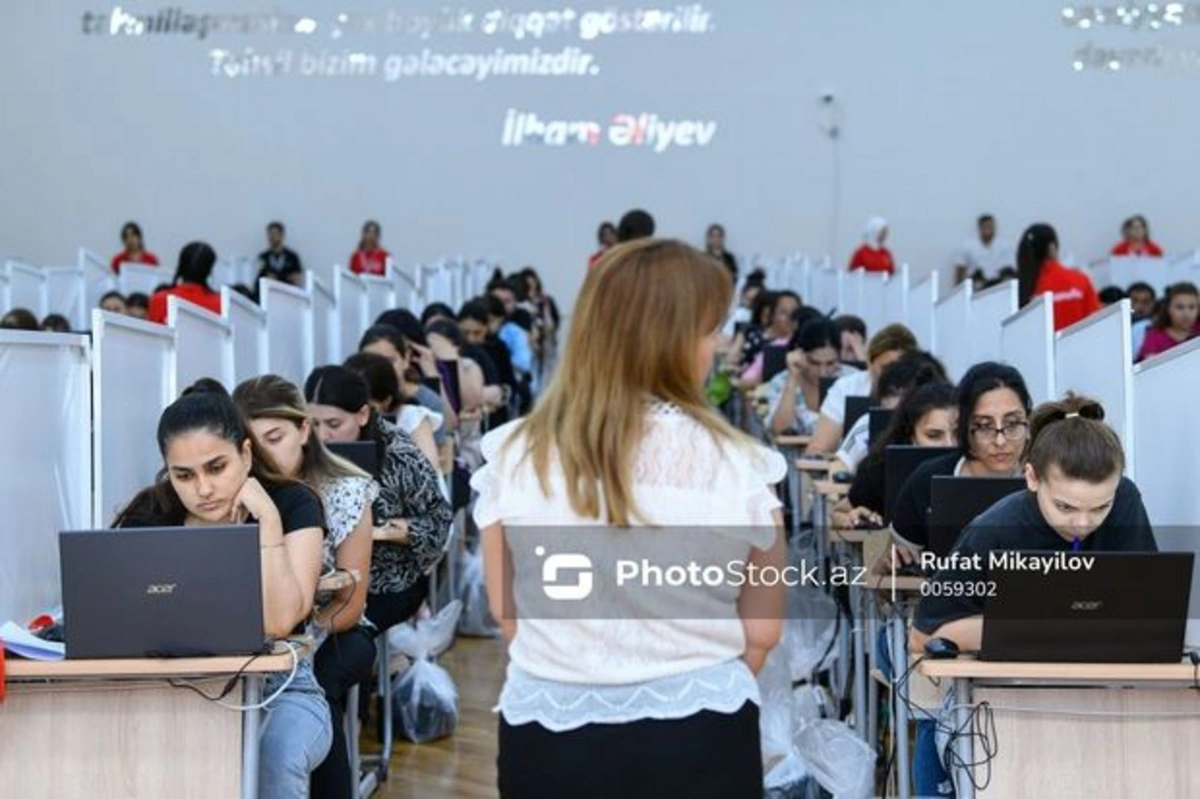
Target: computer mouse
867 524
842 477
941 649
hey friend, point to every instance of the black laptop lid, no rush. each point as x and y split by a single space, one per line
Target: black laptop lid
955 501
825 384
162 592
774 361
899 461
856 407
880 419
362 454
1100 610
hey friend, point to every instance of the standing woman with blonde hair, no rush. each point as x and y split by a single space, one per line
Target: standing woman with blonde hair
623 460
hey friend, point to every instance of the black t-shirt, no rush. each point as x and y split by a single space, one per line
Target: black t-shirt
298 505
278 265
910 518
491 375
1016 523
867 490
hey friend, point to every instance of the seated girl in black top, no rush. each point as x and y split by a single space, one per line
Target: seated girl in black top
215 474
1077 500
925 418
993 426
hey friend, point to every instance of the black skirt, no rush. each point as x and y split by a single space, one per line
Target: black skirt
709 754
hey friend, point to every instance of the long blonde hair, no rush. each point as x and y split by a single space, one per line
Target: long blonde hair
638 321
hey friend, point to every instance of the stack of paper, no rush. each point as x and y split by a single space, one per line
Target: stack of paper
23 643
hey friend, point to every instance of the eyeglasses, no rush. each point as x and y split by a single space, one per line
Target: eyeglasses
1012 431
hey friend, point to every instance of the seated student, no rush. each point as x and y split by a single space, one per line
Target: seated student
993 427
1175 323
196 262
1143 300
884 348
113 302
19 319
854 340
514 334
412 516
436 310
926 417
415 376
748 344
214 473
912 370
386 398
1135 239
1078 499
419 354
134 252
137 305
446 342
793 395
789 315
278 262
473 320
56 323
278 419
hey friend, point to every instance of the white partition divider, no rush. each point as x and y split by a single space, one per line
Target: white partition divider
47 463
989 309
289 329
828 288
1094 357
454 270
381 295
1123 270
327 343
66 294
23 285
408 288
1027 343
895 297
869 290
481 271
203 344
922 298
248 324
952 321
97 276
350 292
1167 428
142 278
133 379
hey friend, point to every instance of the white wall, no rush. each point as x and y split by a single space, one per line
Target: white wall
947 109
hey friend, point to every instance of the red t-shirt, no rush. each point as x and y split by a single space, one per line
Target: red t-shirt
369 263
144 257
872 260
193 293
1074 296
1147 250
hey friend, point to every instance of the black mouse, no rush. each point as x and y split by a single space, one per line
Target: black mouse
842 477
867 524
941 649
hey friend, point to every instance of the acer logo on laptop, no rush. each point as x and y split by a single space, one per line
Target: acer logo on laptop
1087 604
160 588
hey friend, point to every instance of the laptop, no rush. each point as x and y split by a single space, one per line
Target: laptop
162 592
856 407
899 461
774 361
880 419
1104 612
362 454
954 502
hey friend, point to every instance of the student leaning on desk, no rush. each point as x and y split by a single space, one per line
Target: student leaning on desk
215 474
1078 500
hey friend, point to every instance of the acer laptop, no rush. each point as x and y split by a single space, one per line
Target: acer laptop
899 461
1058 607
162 592
954 502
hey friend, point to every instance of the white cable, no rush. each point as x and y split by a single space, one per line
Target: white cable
292 647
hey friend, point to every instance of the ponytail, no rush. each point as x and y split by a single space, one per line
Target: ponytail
1033 251
1072 435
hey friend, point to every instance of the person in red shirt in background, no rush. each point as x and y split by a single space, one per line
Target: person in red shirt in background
369 258
1135 234
607 236
1039 272
196 262
872 255
134 252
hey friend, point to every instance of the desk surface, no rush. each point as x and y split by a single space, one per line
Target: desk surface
814 465
828 488
792 441
1097 672
848 535
117 669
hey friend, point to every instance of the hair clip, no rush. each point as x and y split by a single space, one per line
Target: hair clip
1072 415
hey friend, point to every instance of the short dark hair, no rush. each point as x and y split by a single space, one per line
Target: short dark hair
1111 294
475 310
110 295
635 224
20 319
848 323
57 323
276 226
979 380
984 218
1141 286
137 300
815 334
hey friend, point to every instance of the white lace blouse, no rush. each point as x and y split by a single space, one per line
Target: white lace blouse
647 651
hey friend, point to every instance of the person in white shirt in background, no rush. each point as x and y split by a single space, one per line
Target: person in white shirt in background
630 688
983 256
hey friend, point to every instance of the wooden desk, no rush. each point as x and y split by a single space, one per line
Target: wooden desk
1079 730
828 488
817 466
792 442
116 728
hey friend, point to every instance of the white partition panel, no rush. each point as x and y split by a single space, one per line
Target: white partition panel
203 344
350 290
381 295
1123 270
142 278
408 288
869 290
66 294
248 324
97 276
289 329
23 286
827 288
1094 357
46 460
922 298
327 344
952 321
133 379
989 309
895 297
1027 343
